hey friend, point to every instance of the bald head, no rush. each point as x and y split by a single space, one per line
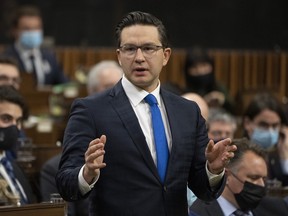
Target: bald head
200 101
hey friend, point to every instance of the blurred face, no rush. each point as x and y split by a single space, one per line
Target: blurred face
142 71
9 75
219 130
108 78
253 169
265 120
200 69
10 114
28 23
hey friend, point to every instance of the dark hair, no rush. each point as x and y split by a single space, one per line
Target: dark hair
9 60
27 10
244 145
195 56
9 94
141 18
262 101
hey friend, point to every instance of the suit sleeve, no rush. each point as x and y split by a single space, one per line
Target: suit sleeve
78 134
198 179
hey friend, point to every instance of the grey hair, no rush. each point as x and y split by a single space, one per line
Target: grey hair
222 116
96 70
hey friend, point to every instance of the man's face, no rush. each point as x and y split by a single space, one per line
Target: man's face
9 75
252 168
108 78
266 120
28 23
219 130
201 68
10 114
142 71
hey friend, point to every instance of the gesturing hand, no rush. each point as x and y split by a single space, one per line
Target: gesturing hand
218 155
94 159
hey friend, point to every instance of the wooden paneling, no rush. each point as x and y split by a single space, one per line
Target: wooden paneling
43 209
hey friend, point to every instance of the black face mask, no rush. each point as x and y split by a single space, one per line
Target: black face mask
201 83
8 137
250 196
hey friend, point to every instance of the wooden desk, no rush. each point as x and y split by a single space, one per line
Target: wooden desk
43 209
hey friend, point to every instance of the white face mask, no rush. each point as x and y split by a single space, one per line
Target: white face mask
31 39
265 138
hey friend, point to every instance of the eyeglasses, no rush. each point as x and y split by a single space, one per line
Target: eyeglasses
147 50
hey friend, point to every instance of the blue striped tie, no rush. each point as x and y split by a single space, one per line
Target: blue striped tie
9 169
159 136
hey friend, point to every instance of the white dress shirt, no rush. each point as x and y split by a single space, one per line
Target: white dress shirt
227 207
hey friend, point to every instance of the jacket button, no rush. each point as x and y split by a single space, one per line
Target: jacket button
165 188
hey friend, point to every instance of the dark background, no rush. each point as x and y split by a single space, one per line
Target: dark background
235 24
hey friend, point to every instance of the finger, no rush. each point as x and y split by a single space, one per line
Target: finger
225 142
93 148
103 139
231 148
210 146
227 156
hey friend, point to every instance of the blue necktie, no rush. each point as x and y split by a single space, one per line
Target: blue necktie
159 136
9 169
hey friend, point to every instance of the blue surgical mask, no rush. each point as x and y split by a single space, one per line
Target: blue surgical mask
31 39
265 138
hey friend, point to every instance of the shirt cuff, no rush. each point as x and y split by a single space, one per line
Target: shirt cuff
214 179
284 164
83 185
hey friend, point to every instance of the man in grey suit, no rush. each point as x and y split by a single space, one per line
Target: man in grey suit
109 150
245 187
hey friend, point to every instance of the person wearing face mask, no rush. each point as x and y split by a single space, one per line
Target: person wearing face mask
264 124
27 31
15 187
245 189
200 78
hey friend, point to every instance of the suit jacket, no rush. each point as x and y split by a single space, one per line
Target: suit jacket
275 168
54 76
48 186
130 184
23 180
268 206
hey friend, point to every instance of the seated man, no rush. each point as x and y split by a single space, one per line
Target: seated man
15 187
40 62
221 125
245 190
9 72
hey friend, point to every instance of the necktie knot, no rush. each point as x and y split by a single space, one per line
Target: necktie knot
239 212
150 99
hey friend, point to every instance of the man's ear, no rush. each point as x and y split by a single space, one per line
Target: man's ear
228 174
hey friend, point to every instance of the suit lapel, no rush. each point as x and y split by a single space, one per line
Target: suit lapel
127 115
171 110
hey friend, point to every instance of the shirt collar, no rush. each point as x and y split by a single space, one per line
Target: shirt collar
136 94
26 53
226 206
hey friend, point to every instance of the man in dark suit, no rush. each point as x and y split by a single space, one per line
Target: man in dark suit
245 187
12 111
110 152
32 58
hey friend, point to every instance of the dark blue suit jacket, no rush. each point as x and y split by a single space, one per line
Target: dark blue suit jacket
56 74
267 207
23 180
129 184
